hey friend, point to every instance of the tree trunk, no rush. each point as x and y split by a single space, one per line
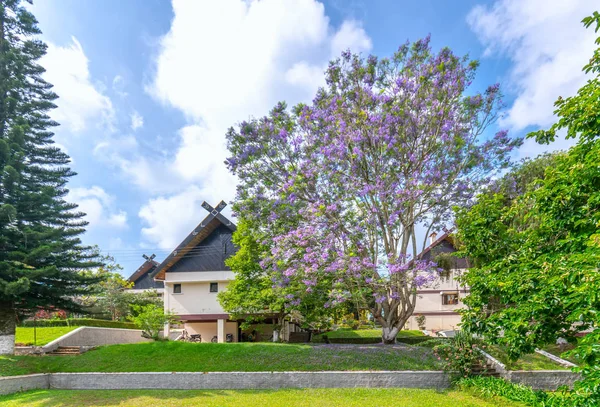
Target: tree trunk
7 328
388 335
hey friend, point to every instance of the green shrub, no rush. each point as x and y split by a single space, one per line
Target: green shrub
432 343
421 321
412 340
493 386
460 354
356 340
77 322
151 319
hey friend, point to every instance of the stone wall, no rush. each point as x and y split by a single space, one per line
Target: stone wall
13 384
543 379
248 380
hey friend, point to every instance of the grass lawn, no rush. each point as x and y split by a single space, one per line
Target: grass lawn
533 361
226 357
45 335
368 333
245 398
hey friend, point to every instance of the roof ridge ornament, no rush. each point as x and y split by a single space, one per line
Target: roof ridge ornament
214 211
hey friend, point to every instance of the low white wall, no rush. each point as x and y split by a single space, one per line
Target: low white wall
93 336
543 380
13 384
248 380
7 343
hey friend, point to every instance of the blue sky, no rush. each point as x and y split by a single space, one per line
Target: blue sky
148 87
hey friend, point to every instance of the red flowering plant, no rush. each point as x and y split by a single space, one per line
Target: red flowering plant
460 355
50 313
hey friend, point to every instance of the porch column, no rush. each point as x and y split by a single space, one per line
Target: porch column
221 330
167 327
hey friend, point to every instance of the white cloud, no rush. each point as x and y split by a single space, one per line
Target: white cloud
350 35
548 47
80 102
170 219
118 86
222 62
137 121
98 206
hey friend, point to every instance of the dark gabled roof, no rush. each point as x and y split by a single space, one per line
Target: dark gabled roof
204 229
443 244
143 269
445 236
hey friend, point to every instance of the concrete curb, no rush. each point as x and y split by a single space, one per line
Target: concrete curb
555 358
499 366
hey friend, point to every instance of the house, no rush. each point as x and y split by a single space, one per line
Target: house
439 301
142 278
195 272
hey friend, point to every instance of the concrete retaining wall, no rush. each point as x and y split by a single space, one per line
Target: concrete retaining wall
543 379
14 384
247 380
87 336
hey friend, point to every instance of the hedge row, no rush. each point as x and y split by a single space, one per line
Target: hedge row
102 323
409 340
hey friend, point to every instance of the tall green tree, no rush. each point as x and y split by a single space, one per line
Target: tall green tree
537 254
253 295
40 249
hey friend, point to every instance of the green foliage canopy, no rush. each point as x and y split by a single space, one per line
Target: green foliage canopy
537 252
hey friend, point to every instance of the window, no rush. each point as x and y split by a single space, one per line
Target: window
176 288
450 299
214 287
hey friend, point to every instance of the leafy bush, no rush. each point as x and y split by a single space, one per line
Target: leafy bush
51 314
421 321
493 386
77 322
151 319
460 354
355 340
412 340
432 343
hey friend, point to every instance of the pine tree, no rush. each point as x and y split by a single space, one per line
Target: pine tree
41 254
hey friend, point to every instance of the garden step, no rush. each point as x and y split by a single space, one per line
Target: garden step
66 350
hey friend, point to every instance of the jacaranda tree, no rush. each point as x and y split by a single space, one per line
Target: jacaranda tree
387 145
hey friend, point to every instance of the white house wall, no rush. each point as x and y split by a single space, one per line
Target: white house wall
430 303
195 298
199 276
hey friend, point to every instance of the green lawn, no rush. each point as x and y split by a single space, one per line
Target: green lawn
368 333
245 398
226 357
44 335
533 361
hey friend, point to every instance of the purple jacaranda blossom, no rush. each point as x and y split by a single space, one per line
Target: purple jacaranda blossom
342 184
